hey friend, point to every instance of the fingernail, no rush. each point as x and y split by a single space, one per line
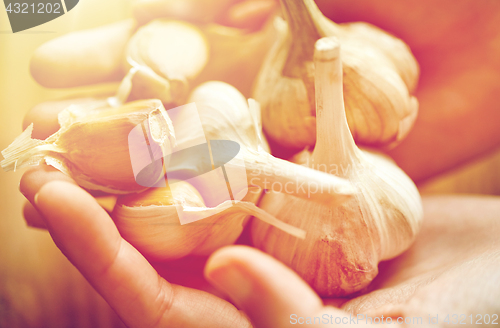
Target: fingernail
19 188
232 281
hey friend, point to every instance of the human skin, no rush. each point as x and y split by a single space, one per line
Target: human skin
457 45
458 242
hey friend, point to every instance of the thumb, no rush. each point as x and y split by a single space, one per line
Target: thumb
266 290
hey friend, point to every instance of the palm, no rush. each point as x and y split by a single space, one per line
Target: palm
430 277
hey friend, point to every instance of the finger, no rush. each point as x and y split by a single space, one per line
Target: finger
88 237
83 57
265 289
37 176
249 14
32 217
44 116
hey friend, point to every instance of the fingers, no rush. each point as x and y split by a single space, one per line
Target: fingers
44 116
37 176
262 287
32 217
88 237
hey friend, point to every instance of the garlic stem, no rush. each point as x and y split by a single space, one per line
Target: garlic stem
335 143
300 16
271 173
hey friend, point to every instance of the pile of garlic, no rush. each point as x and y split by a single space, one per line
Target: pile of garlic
363 208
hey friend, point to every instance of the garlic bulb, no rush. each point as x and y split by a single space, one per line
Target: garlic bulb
175 50
82 57
150 221
379 75
225 115
344 244
94 145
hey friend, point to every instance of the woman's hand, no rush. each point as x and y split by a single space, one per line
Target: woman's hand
436 277
87 236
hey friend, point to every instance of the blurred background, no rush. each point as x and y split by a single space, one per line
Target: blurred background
40 288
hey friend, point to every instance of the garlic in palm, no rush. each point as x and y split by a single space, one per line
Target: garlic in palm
151 220
344 244
94 147
379 75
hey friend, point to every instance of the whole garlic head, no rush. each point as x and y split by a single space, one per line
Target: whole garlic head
379 75
344 244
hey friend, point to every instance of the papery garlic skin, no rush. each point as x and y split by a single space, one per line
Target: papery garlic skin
344 244
175 50
150 222
93 145
380 73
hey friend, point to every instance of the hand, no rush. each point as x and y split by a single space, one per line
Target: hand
436 277
425 280
87 236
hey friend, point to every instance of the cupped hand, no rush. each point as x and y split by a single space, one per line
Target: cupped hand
452 268
87 236
436 277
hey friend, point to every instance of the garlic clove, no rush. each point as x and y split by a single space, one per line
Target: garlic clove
150 221
83 57
380 73
175 50
93 146
344 244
